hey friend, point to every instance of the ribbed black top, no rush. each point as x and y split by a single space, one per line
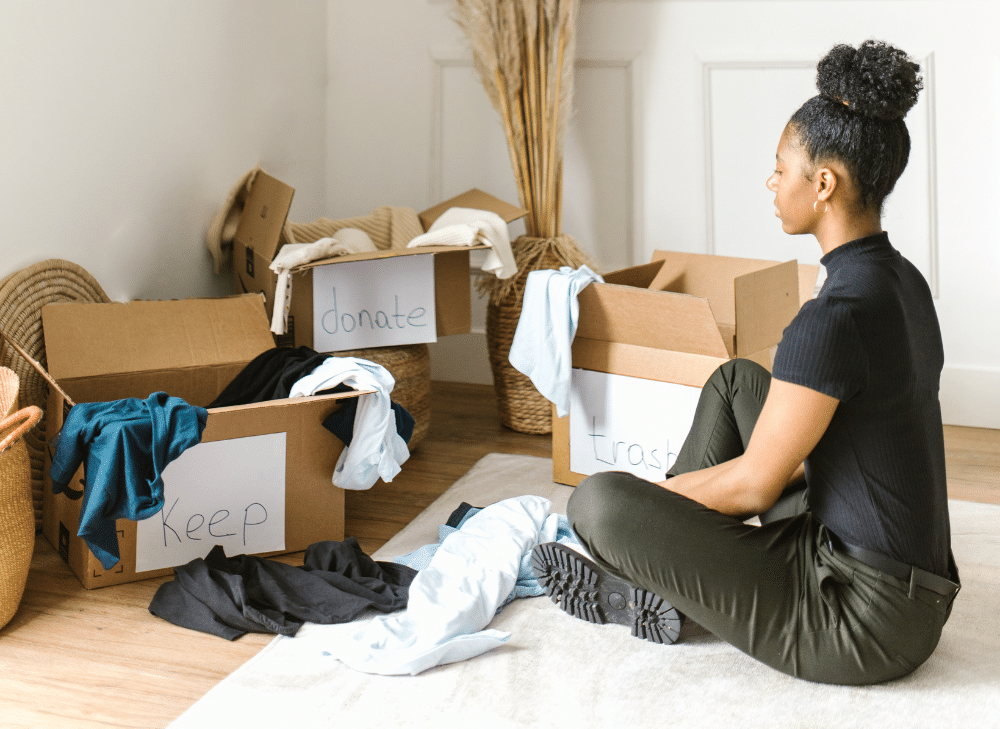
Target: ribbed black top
871 339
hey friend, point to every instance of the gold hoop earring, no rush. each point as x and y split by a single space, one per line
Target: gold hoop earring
826 206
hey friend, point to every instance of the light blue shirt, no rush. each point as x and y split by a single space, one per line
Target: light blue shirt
542 344
453 599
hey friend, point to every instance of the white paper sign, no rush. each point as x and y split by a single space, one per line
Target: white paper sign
619 423
228 492
378 303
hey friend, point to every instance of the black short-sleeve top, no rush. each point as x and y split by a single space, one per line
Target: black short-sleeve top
871 340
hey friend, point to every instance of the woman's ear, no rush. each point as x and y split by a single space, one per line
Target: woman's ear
826 182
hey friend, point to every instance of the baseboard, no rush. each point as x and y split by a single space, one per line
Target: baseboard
970 396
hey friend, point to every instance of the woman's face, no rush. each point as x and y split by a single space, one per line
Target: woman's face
794 193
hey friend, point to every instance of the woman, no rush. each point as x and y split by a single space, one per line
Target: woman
849 579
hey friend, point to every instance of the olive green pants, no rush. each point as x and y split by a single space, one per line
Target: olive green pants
779 592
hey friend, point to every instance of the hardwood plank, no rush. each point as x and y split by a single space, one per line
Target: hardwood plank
972 457
78 658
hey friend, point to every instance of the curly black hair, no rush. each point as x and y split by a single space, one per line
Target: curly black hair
857 117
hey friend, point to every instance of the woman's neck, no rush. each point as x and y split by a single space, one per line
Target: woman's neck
836 230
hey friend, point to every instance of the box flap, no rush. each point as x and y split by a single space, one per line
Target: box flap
264 216
766 301
661 320
661 365
388 253
710 277
83 340
638 276
476 199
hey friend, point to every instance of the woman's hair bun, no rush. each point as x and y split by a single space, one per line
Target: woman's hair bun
874 79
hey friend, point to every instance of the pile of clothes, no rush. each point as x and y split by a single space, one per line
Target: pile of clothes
124 445
373 428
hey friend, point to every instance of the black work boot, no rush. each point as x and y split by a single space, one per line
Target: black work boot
582 589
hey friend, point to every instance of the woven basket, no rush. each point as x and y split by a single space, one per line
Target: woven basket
22 296
519 404
410 366
17 522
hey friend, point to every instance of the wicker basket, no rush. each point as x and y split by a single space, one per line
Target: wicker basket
17 521
22 296
410 366
519 404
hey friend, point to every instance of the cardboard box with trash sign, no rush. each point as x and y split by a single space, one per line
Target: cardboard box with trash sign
648 338
387 297
260 480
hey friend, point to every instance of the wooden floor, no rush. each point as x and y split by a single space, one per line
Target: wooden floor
76 658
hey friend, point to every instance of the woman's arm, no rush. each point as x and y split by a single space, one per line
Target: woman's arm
790 425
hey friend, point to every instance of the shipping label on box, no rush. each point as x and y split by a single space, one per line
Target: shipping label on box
619 423
376 303
243 511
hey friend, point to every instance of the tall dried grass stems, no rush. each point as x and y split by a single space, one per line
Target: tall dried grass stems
523 51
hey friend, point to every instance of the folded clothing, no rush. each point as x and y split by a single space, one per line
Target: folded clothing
232 596
344 242
468 227
388 226
124 445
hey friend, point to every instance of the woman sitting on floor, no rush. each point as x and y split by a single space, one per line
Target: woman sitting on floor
849 579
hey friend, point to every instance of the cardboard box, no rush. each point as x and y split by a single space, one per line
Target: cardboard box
192 349
647 340
258 240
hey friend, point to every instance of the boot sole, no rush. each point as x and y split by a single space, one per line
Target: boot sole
582 589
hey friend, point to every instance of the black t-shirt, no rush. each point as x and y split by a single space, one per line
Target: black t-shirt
871 340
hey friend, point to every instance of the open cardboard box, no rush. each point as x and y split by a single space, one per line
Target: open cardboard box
192 349
258 240
671 321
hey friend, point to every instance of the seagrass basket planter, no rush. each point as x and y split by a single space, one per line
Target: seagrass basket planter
22 296
520 406
17 519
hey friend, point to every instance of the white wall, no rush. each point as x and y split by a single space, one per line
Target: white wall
124 124
679 107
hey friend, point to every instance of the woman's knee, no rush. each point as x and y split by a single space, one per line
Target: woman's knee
587 502
619 506
597 503
735 372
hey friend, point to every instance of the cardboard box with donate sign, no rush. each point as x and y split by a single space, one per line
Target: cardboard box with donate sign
260 480
387 297
647 340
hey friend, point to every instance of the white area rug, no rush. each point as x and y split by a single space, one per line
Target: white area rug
557 671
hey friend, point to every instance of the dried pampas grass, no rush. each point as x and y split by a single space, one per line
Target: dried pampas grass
523 51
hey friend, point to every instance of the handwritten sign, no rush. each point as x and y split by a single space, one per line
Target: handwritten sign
619 423
228 492
378 303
